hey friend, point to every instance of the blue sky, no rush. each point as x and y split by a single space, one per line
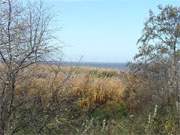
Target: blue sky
101 30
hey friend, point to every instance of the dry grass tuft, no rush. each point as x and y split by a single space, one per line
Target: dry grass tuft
90 86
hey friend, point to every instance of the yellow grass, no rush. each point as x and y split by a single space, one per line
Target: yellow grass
86 84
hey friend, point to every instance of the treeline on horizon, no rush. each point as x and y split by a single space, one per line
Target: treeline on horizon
51 99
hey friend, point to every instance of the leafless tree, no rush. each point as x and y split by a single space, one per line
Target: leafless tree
24 40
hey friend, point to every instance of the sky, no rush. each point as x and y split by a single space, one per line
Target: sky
101 30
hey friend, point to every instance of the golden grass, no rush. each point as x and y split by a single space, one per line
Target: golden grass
86 84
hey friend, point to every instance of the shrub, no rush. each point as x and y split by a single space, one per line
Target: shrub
110 110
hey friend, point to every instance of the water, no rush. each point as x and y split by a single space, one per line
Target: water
121 66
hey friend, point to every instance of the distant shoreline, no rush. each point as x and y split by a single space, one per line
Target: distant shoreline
119 66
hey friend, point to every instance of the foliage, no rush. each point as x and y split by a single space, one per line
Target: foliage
51 100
